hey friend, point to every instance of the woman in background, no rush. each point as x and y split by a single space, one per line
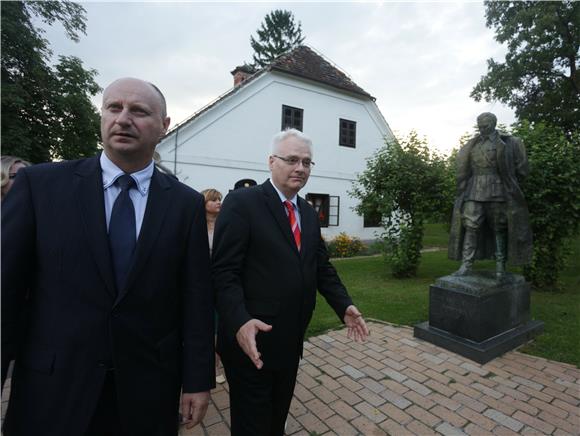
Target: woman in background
213 205
10 166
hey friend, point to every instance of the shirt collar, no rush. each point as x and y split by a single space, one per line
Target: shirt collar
293 200
112 172
491 137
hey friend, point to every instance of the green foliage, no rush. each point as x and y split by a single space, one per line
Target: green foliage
406 184
552 191
46 112
277 34
540 77
345 246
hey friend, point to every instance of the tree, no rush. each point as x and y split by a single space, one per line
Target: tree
406 184
540 77
277 34
552 191
46 112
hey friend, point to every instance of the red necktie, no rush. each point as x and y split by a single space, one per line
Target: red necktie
293 223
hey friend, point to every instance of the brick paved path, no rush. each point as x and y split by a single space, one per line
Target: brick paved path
396 384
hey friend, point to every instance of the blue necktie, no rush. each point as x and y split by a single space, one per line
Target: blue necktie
122 230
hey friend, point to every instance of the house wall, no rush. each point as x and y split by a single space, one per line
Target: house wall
231 141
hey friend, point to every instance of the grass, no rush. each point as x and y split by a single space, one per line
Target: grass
380 296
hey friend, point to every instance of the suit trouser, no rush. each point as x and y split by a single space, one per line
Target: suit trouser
106 420
259 398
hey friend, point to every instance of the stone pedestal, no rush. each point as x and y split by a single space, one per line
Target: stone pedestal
479 316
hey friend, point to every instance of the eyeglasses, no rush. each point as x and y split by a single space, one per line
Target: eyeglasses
12 176
293 160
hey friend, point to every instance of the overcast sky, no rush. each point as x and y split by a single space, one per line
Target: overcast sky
419 59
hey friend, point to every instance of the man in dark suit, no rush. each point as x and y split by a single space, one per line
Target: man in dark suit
108 259
269 259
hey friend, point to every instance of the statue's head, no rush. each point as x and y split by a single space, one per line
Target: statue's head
486 123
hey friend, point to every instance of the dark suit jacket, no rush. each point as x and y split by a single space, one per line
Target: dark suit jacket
157 332
259 273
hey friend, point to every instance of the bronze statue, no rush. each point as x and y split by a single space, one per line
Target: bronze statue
490 216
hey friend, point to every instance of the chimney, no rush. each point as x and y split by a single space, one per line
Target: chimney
241 73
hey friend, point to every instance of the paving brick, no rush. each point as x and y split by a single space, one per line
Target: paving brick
520 405
536 423
443 379
393 428
352 372
392 374
212 416
373 363
373 373
312 424
319 409
423 415
418 377
218 429
534 393
448 430
302 393
373 385
446 390
348 396
466 390
419 400
395 413
331 370
512 393
344 410
504 420
498 405
474 368
306 380
297 408
529 431
528 383
340 426
504 431
562 397
444 401
416 366
487 391
328 382
431 359
562 424
349 383
366 427
324 394
417 387
292 425
371 412
477 418
473 430
473 404
396 399
548 408
394 364
418 428
370 397
394 386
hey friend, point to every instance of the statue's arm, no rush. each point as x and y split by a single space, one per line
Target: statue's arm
463 168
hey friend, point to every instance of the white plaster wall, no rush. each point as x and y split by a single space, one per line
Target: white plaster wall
231 141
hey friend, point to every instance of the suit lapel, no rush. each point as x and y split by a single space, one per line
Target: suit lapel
157 204
88 188
277 210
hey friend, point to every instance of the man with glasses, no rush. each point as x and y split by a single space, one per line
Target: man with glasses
269 259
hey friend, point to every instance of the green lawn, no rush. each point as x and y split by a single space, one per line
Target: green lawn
382 297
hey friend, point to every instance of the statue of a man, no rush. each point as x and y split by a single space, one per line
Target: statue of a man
490 216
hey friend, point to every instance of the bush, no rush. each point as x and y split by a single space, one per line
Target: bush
344 246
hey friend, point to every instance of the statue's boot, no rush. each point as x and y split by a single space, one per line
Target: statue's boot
500 254
468 255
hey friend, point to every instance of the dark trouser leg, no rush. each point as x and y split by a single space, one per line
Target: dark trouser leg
468 255
106 420
259 399
500 252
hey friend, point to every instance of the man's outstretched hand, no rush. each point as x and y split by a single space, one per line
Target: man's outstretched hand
246 337
357 328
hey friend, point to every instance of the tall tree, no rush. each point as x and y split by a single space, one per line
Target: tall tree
540 77
277 34
46 111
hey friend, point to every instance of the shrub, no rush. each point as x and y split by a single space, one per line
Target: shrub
344 246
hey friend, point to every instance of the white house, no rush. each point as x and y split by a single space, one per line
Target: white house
225 145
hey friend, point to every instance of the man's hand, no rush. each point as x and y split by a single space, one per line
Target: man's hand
357 328
246 337
193 408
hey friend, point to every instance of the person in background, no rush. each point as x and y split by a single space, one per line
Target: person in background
269 259
10 167
213 205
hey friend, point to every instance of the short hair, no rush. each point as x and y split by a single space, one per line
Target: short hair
285 134
163 101
487 115
211 194
7 162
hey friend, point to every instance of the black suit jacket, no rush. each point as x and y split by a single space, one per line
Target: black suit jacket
258 272
157 332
